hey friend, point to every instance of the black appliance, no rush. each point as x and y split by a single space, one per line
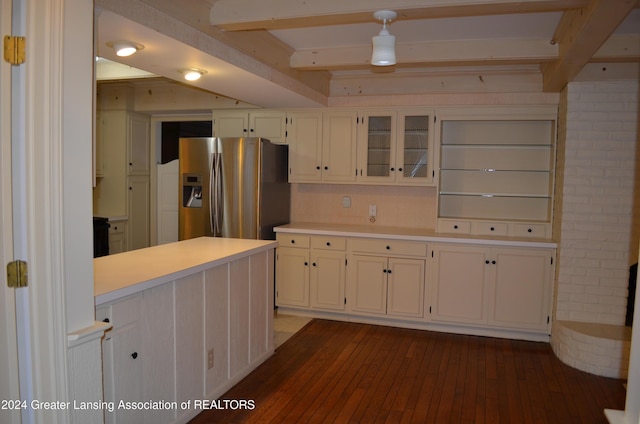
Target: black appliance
100 236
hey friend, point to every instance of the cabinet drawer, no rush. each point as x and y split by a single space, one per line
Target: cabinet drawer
529 230
117 227
389 247
122 313
490 228
293 240
453 226
328 243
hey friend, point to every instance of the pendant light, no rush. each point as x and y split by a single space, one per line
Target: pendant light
384 44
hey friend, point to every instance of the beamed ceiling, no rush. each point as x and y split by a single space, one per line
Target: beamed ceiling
297 53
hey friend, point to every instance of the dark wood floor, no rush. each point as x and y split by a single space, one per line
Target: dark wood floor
336 372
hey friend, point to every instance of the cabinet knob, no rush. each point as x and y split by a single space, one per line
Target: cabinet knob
529 230
313 264
393 169
106 320
244 130
400 169
134 355
251 130
293 242
130 163
326 167
493 262
328 243
487 262
388 271
317 167
388 247
384 270
455 227
492 229
306 263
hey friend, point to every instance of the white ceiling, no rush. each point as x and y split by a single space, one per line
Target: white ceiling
180 35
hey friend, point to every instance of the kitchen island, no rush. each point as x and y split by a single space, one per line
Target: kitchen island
190 319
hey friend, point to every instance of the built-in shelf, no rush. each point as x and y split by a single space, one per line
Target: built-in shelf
498 170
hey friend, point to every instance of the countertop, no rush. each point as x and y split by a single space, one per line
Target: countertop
410 234
123 274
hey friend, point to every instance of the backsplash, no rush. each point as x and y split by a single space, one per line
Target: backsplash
396 206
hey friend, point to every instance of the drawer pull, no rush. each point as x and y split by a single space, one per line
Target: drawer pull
529 230
388 247
492 228
293 242
455 227
134 355
328 243
106 320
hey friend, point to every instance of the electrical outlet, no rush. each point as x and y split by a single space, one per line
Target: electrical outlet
210 359
373 210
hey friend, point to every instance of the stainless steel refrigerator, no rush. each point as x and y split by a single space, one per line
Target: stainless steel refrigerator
232 187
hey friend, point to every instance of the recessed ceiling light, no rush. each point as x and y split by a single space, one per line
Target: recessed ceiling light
192 74
125 48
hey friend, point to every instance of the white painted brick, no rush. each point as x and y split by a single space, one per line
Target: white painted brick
598 174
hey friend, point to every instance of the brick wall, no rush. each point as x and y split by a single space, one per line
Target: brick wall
597 176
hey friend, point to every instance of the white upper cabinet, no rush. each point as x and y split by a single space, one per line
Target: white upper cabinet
339 129
395 147
264 124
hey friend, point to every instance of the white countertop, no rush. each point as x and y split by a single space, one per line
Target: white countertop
123 274
411 234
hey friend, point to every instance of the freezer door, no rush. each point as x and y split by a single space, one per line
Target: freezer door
194 197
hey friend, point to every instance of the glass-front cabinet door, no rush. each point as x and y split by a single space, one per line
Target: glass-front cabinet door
376 144
414 152
395 147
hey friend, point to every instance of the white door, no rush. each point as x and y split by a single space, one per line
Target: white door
168 186
9 378
9 386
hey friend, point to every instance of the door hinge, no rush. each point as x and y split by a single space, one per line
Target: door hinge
14 49
17 274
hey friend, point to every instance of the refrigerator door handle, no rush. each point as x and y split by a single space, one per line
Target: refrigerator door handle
211 191
215 188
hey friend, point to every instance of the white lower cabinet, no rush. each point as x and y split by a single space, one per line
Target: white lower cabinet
292 277
311 274
474 286
327 279
387 286
382 284
507 287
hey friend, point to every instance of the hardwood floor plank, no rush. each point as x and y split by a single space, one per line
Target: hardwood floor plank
337 372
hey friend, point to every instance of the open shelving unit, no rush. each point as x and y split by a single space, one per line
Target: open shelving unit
496 170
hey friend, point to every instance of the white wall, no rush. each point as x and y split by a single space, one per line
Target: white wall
597 232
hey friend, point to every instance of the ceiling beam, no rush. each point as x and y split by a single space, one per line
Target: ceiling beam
238 15
441 53
618 48
580 34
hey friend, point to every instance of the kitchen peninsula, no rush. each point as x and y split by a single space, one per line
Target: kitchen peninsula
190 319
